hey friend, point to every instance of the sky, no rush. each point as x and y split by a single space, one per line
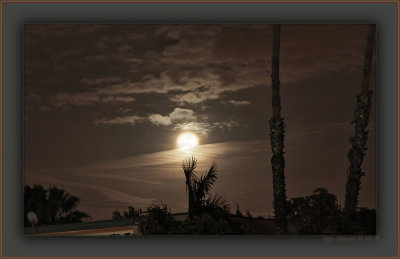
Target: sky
104 105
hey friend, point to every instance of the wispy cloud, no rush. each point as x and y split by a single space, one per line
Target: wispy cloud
239 103
129 120
76 99
178 114
124 99
200 127
100 80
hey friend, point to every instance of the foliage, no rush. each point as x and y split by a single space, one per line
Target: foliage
319 213
238 212
131 213
159 221
199 188
311 214
248 214
52 205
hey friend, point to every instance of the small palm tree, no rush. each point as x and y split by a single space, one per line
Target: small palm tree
199 188
189 166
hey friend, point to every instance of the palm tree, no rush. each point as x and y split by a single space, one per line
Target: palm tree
189 166
277 130
52 206
34 200
199 188
360 121
202 185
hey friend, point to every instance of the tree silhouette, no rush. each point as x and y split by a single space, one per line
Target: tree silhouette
320 214
277 131
359 140
189 165
52 206
198 189
314 214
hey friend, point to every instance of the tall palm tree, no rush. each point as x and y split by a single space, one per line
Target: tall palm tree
360 121
277 130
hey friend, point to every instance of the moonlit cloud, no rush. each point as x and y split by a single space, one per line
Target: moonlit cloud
178 114
100 80
125 99
188 98
239 103
226 124
199 127
182 114
158 119
130 120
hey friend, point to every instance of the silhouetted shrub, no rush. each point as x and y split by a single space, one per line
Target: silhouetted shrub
319 214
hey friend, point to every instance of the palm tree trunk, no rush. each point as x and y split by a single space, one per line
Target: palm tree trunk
361 119
277 130
191 196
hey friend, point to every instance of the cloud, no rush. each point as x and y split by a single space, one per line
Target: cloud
197 97
129 120
178 114
44 108
189 52
205 127
147 84
182 114
76 99
226 124
187 31
185 119
199 127
166 81
125 99
100 80
187 98
239 103
85 99
135 60
158 119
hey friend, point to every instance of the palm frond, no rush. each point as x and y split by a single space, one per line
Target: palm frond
217 201
189 168
206 181
189 165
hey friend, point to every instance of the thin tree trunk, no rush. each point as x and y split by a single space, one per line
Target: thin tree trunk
277 130
191 196
361 119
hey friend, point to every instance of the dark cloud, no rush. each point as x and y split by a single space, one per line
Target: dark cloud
76 99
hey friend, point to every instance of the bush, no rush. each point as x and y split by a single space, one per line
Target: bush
319 214
159 221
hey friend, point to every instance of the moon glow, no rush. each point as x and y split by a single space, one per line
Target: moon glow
187 140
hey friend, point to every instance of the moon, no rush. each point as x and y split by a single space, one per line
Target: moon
187 140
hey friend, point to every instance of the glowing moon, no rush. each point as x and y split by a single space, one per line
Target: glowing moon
187 140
